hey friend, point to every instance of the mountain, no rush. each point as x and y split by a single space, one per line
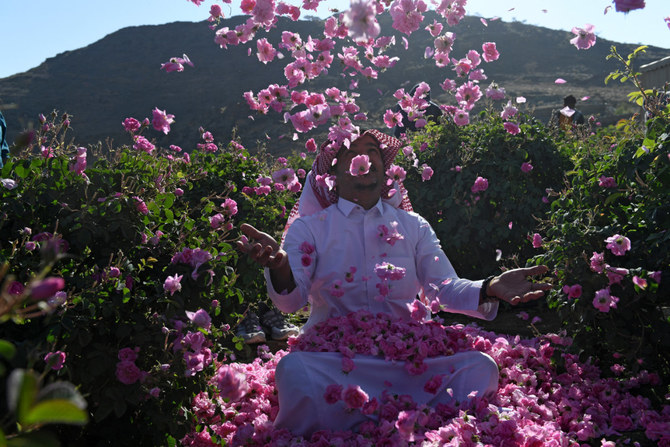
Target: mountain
119 76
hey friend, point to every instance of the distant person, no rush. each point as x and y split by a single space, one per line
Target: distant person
4 147
568 117
654 106
432 111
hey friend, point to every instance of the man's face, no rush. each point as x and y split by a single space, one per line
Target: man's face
362 189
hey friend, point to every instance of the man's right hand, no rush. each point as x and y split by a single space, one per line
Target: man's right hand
262 248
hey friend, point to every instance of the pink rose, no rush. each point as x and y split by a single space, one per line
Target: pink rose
172 284
526 167
162 120
333 393
433 385
15 288
426 173
347 365
354 397
628 5
128 354
618 244
200 318
232 384
127 372
55 359
46 288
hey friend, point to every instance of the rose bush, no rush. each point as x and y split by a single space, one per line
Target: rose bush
489 188
610 239
129 239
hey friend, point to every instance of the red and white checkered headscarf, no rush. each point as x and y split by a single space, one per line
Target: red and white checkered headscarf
314 197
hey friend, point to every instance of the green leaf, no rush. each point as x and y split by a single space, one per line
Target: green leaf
640 152
168 200
62 391
21 392
612 197
648 142
169 216
57 411
7 350
21 171
640 48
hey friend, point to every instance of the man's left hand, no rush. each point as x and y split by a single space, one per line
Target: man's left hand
515 287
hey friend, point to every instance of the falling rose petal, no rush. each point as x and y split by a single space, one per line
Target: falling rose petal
544 11
493 19
520 99
510 224
428 53
498 254
473 394
607 9
511 9
295 136
405 42
281 137
380 92
483 20
436 259
280 55
585 98
560 81
249 52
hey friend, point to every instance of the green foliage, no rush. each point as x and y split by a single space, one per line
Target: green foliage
111 234
637 332
579 214
472 226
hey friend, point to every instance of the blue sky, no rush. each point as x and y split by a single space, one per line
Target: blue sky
32 31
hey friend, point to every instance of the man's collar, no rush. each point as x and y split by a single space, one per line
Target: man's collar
346 207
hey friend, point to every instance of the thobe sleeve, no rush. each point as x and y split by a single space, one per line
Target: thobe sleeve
292 301
440 281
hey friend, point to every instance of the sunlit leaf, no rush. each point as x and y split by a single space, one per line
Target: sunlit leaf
7 350
21 391
58 411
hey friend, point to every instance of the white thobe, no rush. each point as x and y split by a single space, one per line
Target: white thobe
333 255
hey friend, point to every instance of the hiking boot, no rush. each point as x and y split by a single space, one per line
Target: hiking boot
276 325
250 330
